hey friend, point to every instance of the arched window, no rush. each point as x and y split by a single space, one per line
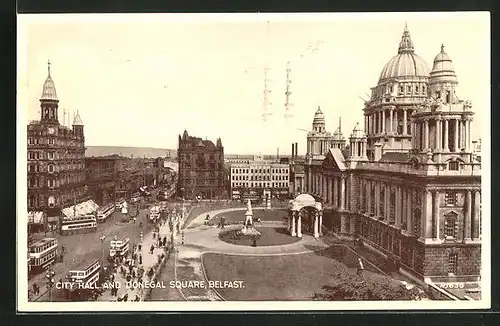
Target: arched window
453 166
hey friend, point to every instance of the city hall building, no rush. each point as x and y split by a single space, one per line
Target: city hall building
56 159
254 178
409 186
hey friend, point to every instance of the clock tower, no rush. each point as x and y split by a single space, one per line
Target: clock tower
49 101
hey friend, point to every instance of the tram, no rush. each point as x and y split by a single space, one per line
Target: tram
119 248
42 254
79 224
104 212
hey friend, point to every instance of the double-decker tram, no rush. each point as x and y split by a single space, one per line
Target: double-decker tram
79 224
119 248
154 213
104 212
86 276
42 254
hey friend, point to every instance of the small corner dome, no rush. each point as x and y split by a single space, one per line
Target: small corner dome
443 66
319 116
357 132
77 121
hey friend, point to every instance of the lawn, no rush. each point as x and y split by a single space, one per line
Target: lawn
264 215
287 277
270 237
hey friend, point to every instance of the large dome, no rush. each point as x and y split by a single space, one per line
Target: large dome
406 62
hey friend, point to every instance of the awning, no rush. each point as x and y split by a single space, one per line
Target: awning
86 208
35 217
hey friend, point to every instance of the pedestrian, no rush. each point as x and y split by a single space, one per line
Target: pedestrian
151 249
164 241
159 242
140 259
140 247
360 267
154 235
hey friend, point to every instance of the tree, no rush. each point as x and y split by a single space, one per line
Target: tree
348 286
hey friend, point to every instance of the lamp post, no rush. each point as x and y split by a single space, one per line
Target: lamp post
133 236
102 238
49 276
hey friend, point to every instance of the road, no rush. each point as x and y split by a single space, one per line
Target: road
82 249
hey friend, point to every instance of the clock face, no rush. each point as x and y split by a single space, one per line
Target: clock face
51 130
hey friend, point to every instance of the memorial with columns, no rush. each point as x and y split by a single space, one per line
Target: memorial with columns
304 209
410 184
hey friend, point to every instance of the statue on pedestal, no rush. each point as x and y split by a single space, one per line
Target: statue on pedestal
249 214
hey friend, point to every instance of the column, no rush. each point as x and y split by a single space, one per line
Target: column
467 215
477 215
398 207
445 145
299 225
335 192
342 194
435 215
294 215
366 123
383 121
390 120
467 135
414 135
395 125
426 229
368 196
455 141
330 185
377 199
426 134
405 126
439 134
316 233
321 223
409 217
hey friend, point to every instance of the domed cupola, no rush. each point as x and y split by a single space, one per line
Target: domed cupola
443 70
406 62
319 121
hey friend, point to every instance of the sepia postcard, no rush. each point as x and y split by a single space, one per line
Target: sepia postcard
241 162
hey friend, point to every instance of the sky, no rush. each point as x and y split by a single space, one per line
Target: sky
140 80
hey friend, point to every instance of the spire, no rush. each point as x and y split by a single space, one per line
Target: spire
49 89
77 121
406 44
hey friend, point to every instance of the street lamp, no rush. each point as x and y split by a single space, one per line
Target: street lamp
102 238
49 276
133 236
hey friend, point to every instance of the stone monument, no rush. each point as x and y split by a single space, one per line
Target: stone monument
248 228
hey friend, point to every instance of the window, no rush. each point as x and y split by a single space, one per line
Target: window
453 166
50 155
452 263
451 198
450 226
50 183
51 141
51 201
51 168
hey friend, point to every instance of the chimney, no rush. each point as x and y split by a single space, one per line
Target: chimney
293 151
277 153
296 149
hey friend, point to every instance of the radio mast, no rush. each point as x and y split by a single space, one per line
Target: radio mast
266 103
288 105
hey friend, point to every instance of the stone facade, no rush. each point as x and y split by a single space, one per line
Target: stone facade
420 205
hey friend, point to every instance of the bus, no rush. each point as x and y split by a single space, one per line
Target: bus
154 213
119 248
42 254
119 203
104 212
135 197
88 275
79 224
